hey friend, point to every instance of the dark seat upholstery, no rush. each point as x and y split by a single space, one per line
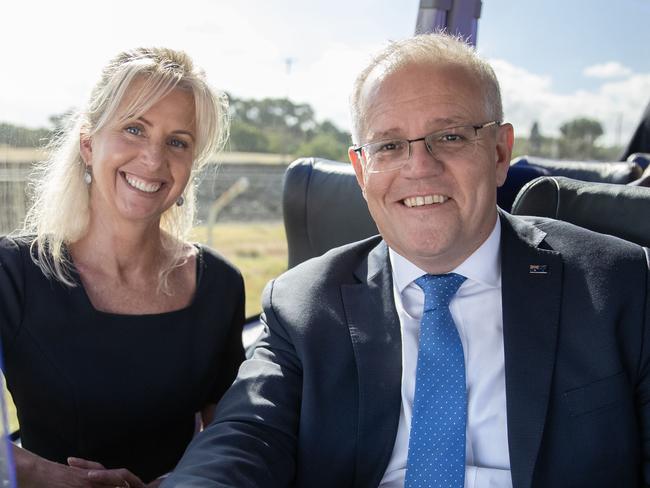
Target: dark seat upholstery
619 210
615 172
323 208
517 177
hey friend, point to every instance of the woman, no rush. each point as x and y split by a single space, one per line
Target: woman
115 329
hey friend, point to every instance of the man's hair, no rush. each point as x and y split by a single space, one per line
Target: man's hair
60 211
437 49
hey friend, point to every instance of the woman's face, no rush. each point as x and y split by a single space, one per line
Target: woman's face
140 167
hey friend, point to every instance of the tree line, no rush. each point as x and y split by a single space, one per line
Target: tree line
577 141
278 125
13 135
269 125
281 126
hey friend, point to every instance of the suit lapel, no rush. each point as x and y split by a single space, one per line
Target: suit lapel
376 339
531 292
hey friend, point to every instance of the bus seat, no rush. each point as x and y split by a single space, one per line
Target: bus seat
622 172
619 210
517 177
322 207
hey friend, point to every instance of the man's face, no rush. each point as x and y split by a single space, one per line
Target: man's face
411 103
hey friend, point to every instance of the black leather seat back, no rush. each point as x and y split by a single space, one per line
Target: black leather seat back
619 210
323 208
517 177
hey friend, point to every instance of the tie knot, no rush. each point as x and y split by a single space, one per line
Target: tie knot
439 289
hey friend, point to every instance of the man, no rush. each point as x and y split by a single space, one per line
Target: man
533 372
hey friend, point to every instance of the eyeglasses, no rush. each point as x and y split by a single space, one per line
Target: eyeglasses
392 154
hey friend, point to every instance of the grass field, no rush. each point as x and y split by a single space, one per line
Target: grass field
11 411
259 250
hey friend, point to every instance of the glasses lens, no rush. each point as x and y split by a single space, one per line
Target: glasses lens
387 155
452 141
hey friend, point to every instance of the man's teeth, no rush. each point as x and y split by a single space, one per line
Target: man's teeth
425 200
141 185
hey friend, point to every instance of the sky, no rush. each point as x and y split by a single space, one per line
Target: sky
556 59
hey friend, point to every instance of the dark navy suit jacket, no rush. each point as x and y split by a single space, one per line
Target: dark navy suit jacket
318 404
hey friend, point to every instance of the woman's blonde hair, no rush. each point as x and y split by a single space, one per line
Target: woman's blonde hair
59 214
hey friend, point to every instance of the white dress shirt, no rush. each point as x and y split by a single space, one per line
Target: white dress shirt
476 310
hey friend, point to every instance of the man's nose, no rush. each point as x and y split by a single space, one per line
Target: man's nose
423 160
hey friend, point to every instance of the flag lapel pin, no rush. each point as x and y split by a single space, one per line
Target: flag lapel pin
538 269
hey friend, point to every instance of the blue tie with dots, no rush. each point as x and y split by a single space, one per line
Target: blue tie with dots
436 453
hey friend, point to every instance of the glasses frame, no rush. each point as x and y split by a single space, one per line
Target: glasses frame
360 149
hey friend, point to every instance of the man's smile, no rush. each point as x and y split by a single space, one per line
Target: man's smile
424 200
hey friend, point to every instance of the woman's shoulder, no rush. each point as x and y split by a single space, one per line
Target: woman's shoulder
13 248
212 262
14 254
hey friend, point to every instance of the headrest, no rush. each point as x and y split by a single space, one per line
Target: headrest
323 208
517 177
616 172
619 210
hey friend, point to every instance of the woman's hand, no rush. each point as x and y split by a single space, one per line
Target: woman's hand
100 477
35 472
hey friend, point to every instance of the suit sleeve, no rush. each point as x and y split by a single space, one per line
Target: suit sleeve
643 386
252 441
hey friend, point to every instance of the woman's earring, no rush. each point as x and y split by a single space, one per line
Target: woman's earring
88 175
180 201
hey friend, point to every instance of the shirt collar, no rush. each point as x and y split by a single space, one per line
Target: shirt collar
482 266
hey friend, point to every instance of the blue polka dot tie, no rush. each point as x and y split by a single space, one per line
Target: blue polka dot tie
436 454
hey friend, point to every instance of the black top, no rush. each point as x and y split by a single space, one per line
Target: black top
121 390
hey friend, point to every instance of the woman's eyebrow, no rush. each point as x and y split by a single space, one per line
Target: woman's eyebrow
185 132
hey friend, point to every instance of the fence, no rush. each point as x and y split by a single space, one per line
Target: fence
262 201
13 194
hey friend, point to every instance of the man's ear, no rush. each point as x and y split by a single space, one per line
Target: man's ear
86 149
505 142
357 164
